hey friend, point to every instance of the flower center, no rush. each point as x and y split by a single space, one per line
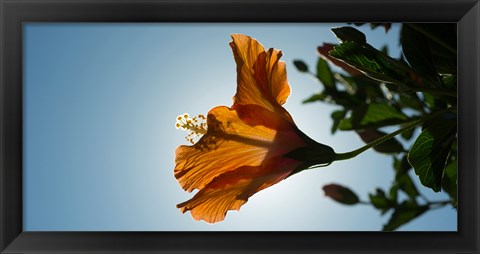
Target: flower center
196 126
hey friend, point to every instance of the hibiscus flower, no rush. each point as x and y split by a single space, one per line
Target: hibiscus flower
249 146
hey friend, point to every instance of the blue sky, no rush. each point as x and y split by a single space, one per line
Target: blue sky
100 103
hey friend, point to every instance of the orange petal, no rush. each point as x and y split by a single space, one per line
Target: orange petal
246 136
271 76
245 50
261 76
231 190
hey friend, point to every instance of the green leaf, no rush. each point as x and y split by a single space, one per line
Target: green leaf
416 49
389 146
372 115
430 100
345 99
335 97
449 182
379 66
341 194
372 62
404 213
324 74
403 179
443 45
361 86
363 59
300 65
429 153
337 116
407 186
394 193
380 201
316 97
450 81
401 166
348 33
442 37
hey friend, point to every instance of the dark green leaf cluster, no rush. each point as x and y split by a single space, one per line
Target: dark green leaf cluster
373 90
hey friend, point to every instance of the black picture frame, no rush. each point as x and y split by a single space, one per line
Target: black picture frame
14 13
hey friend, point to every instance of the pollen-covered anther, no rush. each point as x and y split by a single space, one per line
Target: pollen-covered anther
196 126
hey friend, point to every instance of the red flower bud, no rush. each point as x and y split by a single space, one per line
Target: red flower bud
341 194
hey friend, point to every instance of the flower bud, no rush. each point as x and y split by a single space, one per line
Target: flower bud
300 65
340 194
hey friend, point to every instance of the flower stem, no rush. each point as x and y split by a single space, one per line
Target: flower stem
439 204
444 202
411 125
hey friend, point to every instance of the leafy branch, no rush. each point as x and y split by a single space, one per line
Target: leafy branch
416 91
